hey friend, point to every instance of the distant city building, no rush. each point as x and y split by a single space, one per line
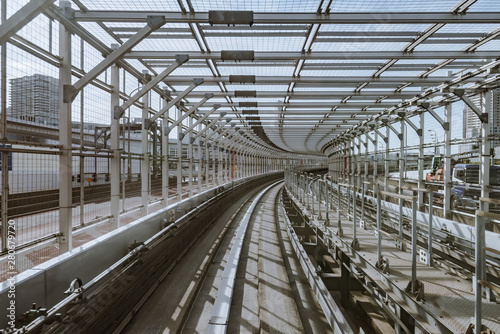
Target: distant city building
472 124
35 98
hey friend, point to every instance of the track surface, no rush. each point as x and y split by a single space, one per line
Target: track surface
271 292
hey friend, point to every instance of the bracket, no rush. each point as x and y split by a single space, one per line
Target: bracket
383 264
419 290
118 112
427 106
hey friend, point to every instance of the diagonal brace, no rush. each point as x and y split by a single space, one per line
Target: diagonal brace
71 91
460 92
17 21
384 138
196 83
191 110
201 119
414 127
179 60
427 106
212 125
220 135
386 122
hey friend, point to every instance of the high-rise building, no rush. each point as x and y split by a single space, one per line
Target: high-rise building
472 124
35 98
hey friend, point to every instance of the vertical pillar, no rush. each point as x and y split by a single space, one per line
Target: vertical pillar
179 155
115 149
65 158
421 158
220 166
365 143
3 129
145 156
214 165
401 173
485 193
200 161
447 161
164 153
190 159
207 165
375 157
386 159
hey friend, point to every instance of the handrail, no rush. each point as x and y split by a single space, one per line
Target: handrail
405 197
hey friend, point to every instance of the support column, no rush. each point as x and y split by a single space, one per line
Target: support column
3 130
386 160
402 152
164 153
421 159
65 141
480 271
200 161
375 157
447 162
179 155
214 165
190 160
145 156
115 149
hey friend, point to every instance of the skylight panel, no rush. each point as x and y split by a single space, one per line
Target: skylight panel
490 46
99 32
256 70
381 28
261 88
144 5
177 45
392 5
335 73
440 47
257 6
256 43
192 71
470 28
358 46
484 6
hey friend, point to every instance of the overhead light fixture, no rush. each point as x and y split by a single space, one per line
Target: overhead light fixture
242 79
237 55
230 17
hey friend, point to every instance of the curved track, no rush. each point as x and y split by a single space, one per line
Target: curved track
270 295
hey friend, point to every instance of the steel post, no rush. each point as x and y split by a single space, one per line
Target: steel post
414 240
65 142
447 163
145 156
115 149
429 229
179 155
379 223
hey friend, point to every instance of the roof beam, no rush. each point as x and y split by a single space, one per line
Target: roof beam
313 105
20 18
321 79
180 59
297 30
153 23
299 18
195 83
338 55
306 95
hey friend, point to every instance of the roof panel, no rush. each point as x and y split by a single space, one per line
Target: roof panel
145 5
391 6
256 43
257 5
255 70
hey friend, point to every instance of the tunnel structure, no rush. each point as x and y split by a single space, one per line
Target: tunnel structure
119 119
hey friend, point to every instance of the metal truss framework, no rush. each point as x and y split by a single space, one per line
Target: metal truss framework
378 88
